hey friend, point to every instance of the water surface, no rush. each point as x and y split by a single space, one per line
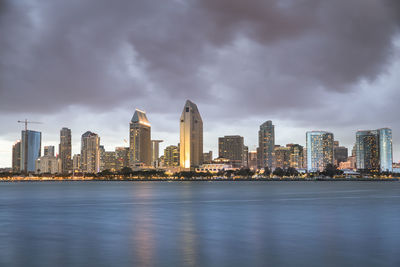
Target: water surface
200 224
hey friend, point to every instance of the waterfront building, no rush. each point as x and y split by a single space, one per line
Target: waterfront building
139 140
47 164
31 145
155 152
76 163
214 168
385 150
350 164
282 157
16 157
296 158
48 151
266 145
191 136
121 157
90 152
107 160
245 156
65 150
319 150
367 150
171 156
232 147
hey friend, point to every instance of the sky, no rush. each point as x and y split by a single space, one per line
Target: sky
304 64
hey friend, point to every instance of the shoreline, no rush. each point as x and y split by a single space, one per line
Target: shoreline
90 179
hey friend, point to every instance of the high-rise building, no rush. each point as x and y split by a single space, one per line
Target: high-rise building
171 156
367 150
231 147
76 163
16 157
155 152
266 145
65 150
48 151
319 150
122 157
191 136
296 158
374 150
139 140
90 152
107 160
385 150
282 157
30 149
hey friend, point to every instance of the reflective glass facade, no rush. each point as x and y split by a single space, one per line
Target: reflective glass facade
385 149
31 144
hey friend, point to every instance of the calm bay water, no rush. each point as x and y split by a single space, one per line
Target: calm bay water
200 224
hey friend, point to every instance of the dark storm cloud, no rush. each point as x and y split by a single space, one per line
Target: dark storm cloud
100 54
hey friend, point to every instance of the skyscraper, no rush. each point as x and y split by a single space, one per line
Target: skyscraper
122 157
319 150
191 136
367 150
90 152
231 147
374 150
155 152
340 154
65 150
16 157
139 140
30 149
266 145
385 150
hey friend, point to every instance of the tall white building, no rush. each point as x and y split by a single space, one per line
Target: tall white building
90 153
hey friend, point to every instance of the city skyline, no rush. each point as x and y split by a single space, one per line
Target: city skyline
331 66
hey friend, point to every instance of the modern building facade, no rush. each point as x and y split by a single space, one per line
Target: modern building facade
171 156
208 157
266 145
155 152
252 160
65 150
108 160
90 153
16 157
231 147
385 150
374 150
340 154
76 163
319 150
191 137
296 158
30 149
139 140
282 157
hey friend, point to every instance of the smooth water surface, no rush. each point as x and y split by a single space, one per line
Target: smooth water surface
200 224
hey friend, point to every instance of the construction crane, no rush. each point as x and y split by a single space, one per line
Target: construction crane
26 143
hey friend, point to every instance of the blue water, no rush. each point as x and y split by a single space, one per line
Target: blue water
200 224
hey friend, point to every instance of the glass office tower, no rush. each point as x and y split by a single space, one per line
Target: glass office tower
385 149
30 149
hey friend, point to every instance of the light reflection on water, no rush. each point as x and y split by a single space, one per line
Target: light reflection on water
200 224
